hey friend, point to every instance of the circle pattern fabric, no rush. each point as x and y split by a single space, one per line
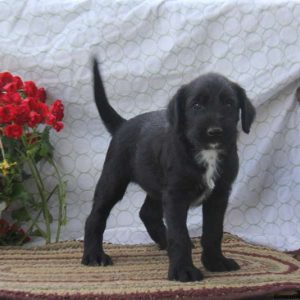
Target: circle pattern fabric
148 49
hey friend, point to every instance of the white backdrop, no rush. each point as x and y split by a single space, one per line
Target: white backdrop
148 50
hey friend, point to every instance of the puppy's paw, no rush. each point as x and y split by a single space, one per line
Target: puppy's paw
220 264
162 244
99 259
185 273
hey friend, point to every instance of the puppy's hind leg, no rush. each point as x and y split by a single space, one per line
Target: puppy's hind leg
151 214
110 189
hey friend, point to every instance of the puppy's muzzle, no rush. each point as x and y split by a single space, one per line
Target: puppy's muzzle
214 131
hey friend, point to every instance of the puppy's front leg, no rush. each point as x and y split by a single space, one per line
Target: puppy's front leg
213 216
181 266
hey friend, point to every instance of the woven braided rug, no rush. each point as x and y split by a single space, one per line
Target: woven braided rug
139 272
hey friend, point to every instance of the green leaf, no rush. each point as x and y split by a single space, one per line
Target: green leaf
20 215
33 150
46 149
46 134
38 233
19 192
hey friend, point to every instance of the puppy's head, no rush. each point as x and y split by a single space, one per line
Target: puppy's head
206 111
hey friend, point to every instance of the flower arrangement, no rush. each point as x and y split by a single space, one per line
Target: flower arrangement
25 124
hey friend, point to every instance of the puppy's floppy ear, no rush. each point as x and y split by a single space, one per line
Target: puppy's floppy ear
175 110
247 109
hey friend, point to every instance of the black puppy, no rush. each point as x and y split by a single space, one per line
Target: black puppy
183 156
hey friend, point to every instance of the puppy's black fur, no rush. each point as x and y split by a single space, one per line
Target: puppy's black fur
182 156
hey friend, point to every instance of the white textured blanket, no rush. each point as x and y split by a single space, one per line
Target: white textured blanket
148 50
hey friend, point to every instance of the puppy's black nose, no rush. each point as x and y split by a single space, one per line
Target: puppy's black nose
214 131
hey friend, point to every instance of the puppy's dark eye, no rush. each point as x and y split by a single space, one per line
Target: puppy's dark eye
198 106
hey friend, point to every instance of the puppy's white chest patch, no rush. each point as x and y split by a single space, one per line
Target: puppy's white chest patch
209 159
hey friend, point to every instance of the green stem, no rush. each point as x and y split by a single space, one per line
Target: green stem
40 185
41 189
61 201
33 223
2 149
46 196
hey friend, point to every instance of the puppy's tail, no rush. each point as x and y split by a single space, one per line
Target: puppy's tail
111 119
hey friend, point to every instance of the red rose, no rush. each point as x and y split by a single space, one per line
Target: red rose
21 231
23 104
51 119
4 227
42 109
7 113
30 88
18 81
5 98
22 114
13 131
5 78
15 98
30 101
14 227
41 95
58 126
10 98
34 119
10 87
57 109
37 106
